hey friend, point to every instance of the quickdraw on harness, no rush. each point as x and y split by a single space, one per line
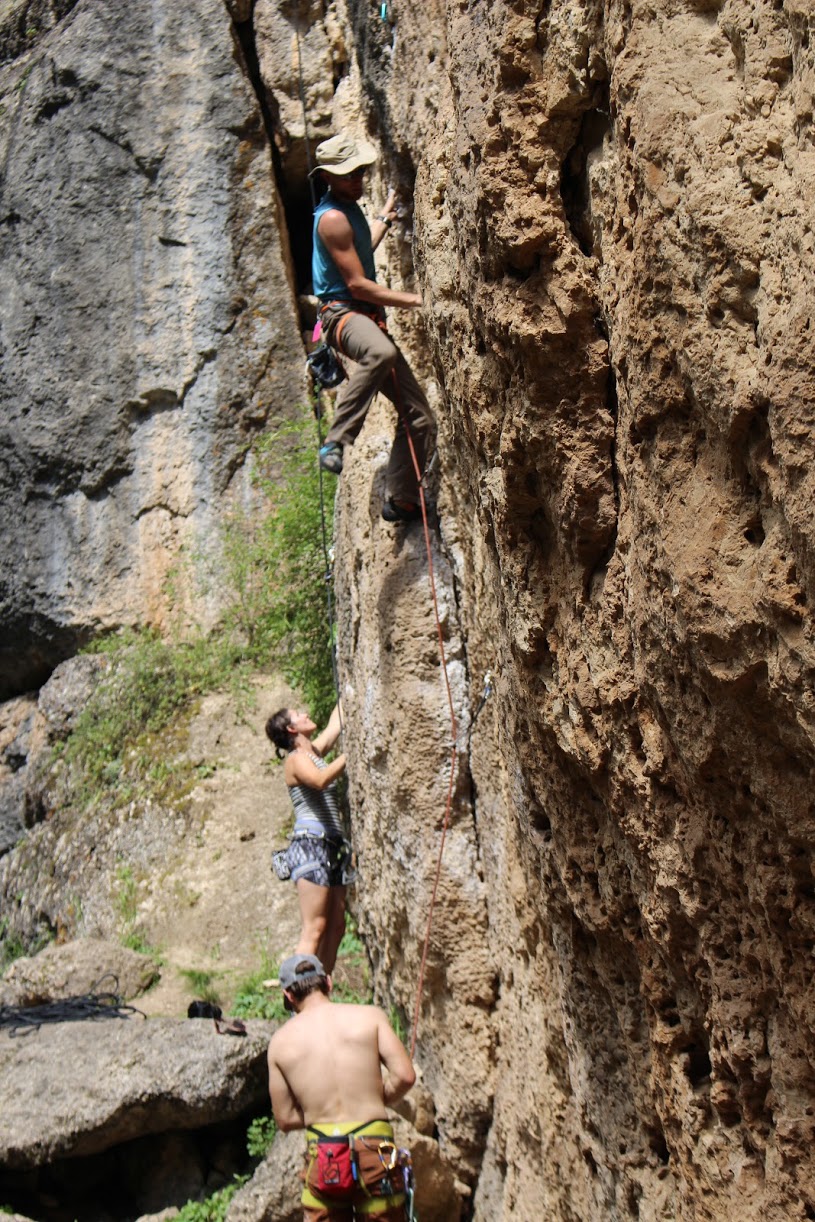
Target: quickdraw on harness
326 371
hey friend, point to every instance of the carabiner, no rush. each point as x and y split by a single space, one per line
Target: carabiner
387 1146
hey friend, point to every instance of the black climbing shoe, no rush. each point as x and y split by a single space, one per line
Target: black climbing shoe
331 457
396 511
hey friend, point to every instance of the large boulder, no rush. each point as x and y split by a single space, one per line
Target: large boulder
273 1193
72 1089
80 967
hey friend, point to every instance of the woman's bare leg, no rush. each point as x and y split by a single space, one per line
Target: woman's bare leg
314 911
334 929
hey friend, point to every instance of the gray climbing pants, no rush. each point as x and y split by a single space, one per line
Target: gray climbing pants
379 367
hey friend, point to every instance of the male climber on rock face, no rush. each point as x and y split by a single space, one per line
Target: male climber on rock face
353 321
325 1075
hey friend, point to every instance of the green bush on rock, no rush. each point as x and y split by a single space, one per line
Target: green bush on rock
272 581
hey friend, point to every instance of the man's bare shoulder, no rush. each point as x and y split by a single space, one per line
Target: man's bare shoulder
283 1038
350 1016
334 224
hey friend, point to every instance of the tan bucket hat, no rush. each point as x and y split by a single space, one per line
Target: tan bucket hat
341 154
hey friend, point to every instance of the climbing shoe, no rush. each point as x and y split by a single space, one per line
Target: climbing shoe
400 511
331 457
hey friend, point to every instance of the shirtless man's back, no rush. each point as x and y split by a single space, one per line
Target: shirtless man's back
326 1070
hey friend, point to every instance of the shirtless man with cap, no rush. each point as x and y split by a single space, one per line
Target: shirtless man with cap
326 1075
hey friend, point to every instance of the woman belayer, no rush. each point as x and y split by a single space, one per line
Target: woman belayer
319 856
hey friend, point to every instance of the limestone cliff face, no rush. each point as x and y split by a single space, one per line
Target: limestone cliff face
608 212
147 311
612 235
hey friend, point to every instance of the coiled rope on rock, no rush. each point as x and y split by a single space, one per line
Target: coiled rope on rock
96 1004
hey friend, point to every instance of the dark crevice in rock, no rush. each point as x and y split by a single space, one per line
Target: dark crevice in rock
31 646
52 107
373 41
575 185
146 1175
294 188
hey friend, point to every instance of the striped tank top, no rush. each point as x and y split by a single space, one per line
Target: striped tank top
315 810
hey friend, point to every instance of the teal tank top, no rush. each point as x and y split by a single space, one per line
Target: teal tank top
328 282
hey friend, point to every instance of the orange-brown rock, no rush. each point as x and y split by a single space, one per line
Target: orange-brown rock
611 234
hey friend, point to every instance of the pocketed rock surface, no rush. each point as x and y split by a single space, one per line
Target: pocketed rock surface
611 235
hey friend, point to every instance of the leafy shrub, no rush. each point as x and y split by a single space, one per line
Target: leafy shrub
126 905
273 570
276 564
260 1135
253 1000
214 1208
13 946
115 740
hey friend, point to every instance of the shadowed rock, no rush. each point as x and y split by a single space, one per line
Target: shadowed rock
74 1089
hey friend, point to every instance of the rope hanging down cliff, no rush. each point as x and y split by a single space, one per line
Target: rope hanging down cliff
328 573
345 160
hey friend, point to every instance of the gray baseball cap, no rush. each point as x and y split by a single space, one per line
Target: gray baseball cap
289 975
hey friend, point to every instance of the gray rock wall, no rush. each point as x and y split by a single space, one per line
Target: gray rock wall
146 313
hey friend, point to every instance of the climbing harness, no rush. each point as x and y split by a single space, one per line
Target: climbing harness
22 1020
339 1163
340 857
